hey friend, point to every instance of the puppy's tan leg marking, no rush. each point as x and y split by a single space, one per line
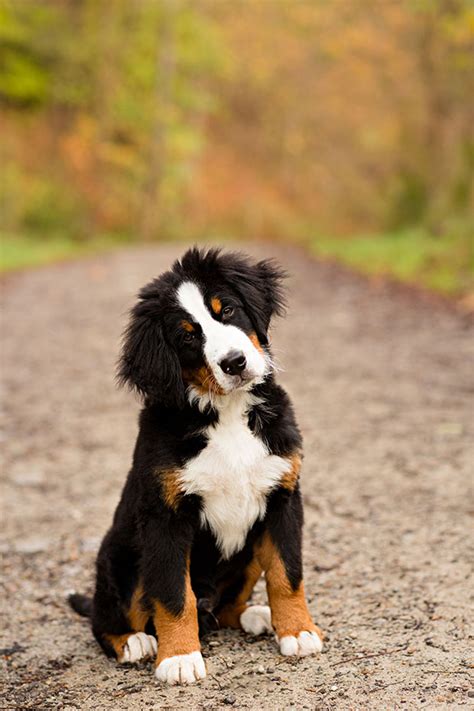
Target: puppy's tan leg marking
117 641
229 616
179 659
137 615
296 631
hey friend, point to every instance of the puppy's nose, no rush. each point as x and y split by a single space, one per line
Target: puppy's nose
233 363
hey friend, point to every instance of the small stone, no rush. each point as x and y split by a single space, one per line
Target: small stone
28 478
90 544
450 428
260 669
470 693
334 687
35 544
230 700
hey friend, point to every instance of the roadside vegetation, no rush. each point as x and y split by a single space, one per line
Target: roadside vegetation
444 264
21 252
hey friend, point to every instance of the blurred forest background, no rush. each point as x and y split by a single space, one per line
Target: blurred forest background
347 126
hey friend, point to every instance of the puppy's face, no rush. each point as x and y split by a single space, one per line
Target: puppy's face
201 328
217 345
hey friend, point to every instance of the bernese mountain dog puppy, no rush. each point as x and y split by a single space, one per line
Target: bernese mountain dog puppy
212 500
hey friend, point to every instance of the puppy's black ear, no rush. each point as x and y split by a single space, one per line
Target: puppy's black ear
260 286
271 277
148 363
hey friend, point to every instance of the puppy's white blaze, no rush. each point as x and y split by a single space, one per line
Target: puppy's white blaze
181 669
233 474
220 339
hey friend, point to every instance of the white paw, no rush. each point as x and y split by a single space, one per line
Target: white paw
256 619
181 669
138 646
305 643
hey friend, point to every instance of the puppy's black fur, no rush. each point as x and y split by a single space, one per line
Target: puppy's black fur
154 540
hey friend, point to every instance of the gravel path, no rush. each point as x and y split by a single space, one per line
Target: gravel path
383 385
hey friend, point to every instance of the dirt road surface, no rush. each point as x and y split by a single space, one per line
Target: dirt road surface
383 385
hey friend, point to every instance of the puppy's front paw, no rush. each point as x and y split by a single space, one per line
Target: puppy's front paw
138 646
256 619
181 669
305 643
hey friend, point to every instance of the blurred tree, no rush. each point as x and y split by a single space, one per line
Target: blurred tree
120 91
158 117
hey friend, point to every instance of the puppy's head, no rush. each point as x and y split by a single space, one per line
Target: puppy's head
201 329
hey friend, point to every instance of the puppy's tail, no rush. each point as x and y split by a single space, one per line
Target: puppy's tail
81 604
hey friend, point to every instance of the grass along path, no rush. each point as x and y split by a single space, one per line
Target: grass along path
443 264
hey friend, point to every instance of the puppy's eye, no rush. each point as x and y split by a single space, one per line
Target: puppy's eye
188 337
227 312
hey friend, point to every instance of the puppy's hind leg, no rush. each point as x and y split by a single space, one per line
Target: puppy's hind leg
121 633
295 630
236 613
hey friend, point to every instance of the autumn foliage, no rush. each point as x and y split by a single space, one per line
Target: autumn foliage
254 117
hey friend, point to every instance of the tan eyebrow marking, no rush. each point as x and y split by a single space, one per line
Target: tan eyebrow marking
187 326
216 305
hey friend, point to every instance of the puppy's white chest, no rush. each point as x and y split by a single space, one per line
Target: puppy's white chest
233 475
